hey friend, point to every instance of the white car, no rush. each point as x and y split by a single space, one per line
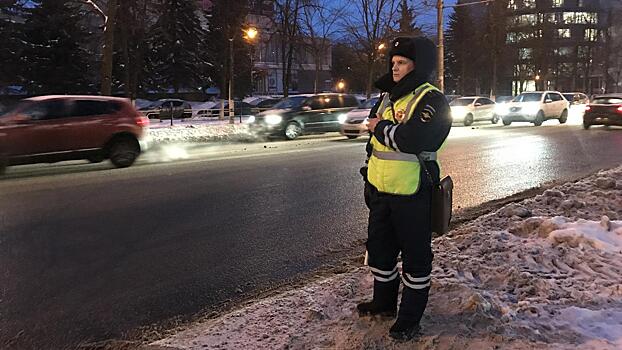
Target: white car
354 123
469 109
535 107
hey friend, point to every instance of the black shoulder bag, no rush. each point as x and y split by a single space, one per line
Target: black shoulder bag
441 201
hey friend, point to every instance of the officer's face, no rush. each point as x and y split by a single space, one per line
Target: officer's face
401 66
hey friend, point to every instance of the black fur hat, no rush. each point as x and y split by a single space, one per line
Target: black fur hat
419 49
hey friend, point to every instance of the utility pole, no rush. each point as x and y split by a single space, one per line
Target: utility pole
441 46
231 121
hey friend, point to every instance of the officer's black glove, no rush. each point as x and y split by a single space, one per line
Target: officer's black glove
367 194
363 171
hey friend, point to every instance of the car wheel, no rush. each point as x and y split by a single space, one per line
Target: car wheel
124 151
586 125
539 119
564 117
495 119
506 122
292 130
351 137
468 119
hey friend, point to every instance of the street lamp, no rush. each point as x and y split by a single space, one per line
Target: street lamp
381 47
341 85
250 35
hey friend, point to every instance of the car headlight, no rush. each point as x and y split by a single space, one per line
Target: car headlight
502 110
342 118
458 112
273 119
251 119
531 108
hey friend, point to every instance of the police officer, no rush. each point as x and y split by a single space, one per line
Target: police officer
412 122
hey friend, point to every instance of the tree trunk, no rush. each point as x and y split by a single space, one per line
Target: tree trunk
108 49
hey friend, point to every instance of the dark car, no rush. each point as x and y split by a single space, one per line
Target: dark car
50 129
304 114
161 109
603 110
267 103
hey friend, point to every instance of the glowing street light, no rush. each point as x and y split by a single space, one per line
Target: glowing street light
341 85
381 47
251 33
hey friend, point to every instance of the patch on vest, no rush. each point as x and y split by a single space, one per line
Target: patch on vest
399 115
427 113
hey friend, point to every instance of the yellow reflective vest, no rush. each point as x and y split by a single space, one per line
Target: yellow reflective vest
390 170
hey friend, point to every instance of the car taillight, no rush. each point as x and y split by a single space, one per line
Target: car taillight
587 108
142 121
620 109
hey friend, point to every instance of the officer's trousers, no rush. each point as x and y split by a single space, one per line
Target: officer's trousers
402 224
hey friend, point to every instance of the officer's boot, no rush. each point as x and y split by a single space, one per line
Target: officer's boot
384 302
412 306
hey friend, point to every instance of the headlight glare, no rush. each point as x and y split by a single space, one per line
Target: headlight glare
273 119
342 118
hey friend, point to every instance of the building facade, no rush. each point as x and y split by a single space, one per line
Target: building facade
310 70
557 44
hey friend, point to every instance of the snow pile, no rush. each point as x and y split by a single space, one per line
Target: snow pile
545 273
208 132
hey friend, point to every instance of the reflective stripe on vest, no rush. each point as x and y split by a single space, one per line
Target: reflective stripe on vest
407 157
391 171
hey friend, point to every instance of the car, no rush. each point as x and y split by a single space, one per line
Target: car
535 107
212 109
576 98
603 110
161 109
354 123
469 109
303 114
267 103
49 129
503 99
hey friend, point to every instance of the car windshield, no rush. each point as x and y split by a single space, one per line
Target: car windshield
462 102
569 97
21 106
528 97
290 102
607 101
370 103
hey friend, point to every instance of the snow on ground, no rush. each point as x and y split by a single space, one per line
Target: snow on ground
544 273
199 129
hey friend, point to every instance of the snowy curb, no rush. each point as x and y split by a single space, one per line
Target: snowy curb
202 133
543 273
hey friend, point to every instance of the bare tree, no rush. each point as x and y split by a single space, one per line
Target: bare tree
109 18
319 24
287 23
369 25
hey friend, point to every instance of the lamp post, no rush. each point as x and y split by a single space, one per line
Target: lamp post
250 35
231 81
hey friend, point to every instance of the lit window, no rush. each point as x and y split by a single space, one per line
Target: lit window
591 34
511 37
563 33
530 4
564 51
580 3
558 3
579 18
512 5
524 53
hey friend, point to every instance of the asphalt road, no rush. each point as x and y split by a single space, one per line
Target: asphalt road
89 253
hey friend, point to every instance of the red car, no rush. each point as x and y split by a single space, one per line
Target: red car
48 129
603 110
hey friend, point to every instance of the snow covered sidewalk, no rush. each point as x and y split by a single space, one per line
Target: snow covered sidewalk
544 273
200 130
